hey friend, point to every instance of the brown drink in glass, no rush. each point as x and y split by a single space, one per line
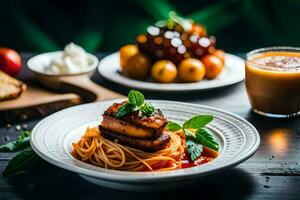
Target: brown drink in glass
273 81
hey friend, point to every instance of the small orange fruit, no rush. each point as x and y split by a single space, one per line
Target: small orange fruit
213 66
164 71
191 70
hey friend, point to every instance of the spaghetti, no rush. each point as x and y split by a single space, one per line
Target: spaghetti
97 150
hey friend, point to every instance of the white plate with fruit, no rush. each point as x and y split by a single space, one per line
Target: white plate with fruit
173 55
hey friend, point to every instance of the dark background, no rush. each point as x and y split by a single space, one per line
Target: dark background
239 26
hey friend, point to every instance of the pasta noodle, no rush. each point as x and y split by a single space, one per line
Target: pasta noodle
97 150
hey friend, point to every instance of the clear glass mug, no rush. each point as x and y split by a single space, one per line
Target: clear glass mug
273 81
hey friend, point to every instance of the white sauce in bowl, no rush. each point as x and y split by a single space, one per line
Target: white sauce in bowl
74 59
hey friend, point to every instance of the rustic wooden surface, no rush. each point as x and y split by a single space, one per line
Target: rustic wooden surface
35 96
272 173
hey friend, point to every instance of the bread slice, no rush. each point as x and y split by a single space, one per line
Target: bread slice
10 87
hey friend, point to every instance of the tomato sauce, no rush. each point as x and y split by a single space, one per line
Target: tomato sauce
186 162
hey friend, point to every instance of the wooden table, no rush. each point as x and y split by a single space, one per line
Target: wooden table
272 173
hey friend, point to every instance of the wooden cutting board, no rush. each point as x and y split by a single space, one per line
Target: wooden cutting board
72 90
35 96
39 101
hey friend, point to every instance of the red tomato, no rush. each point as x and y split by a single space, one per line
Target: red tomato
10 61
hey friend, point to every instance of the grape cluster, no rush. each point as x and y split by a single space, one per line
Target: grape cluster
173 44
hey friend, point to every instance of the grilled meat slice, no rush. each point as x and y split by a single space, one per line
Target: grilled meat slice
128 129
148 145
156 121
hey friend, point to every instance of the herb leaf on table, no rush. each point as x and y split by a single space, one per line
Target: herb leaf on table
21 143
21 163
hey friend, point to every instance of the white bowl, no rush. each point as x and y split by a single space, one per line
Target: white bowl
54 81
38 62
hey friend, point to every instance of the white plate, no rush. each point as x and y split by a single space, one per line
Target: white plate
232 73
51 139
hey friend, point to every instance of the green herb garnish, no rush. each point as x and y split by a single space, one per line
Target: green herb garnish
136 98
172 126
202 137
194 149
125 109
147 109
197 121
205 137
21 143
136 101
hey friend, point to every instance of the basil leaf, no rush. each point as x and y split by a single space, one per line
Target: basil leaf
147 109
21 143
125 109
136 98
194 149
136 101
197 121
206 138
21 163
172 126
